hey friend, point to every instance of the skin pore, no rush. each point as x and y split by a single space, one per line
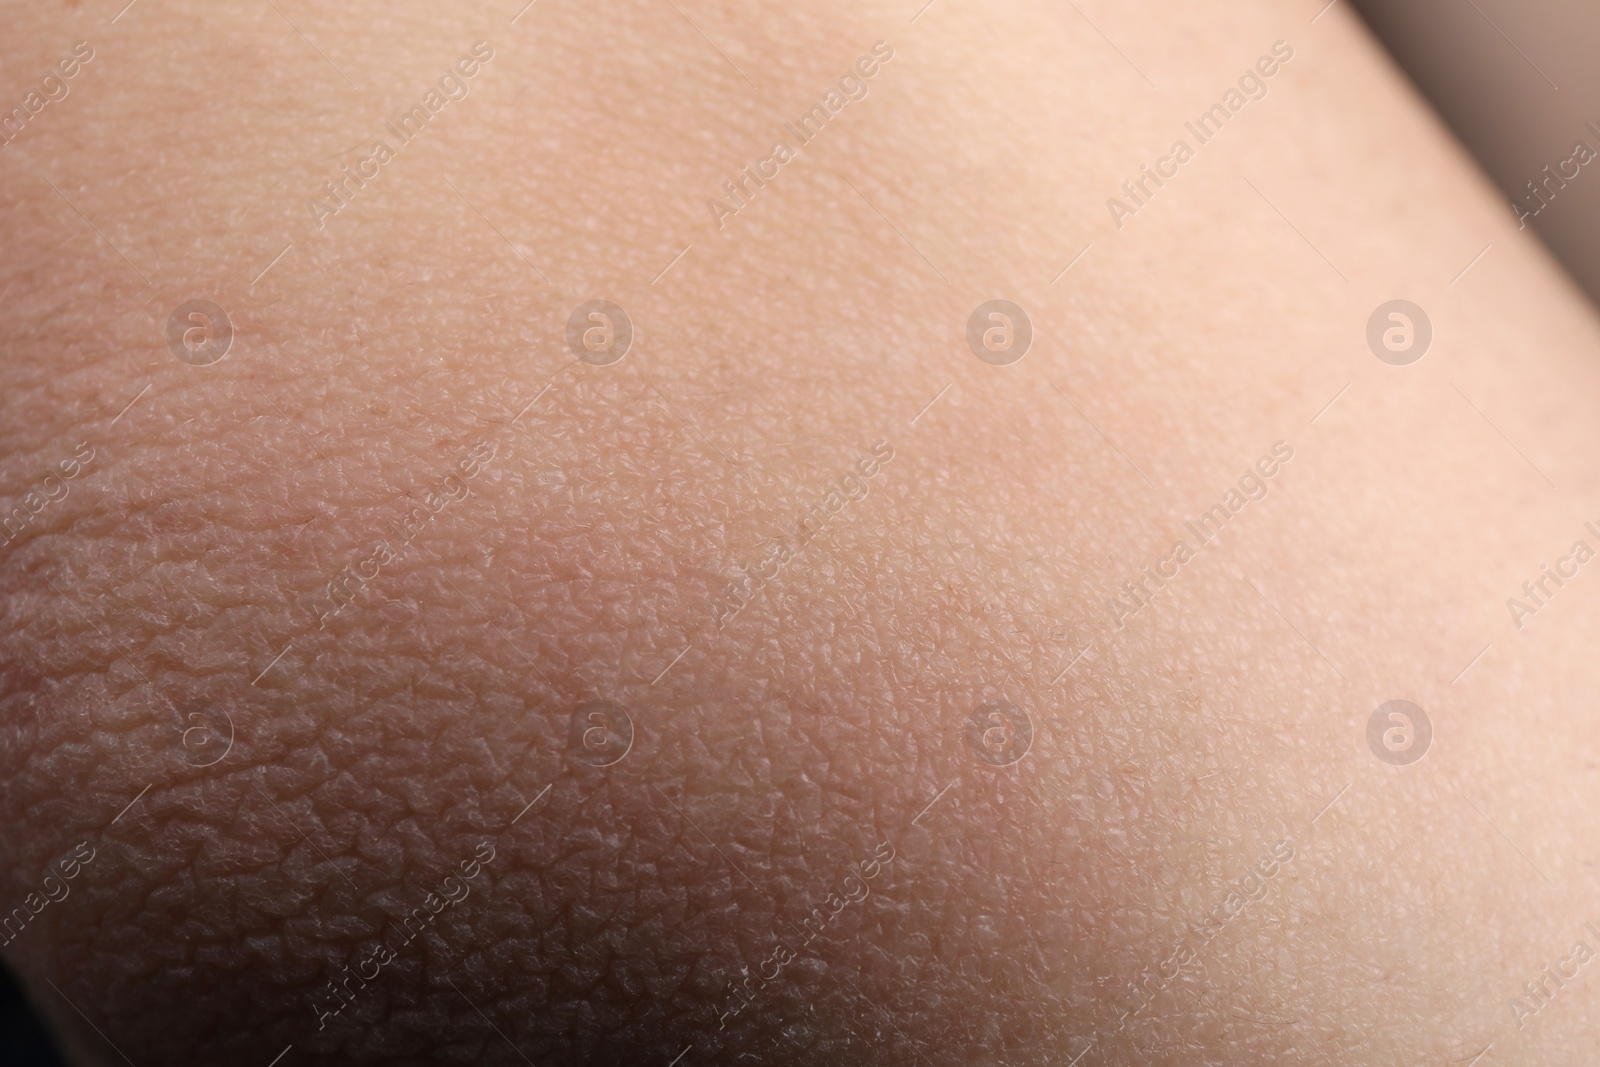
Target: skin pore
311 647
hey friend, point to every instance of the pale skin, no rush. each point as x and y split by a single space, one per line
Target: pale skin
400 537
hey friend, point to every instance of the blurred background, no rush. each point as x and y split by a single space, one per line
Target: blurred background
1518 81
23 1040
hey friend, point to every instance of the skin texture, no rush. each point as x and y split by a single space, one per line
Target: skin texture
782 751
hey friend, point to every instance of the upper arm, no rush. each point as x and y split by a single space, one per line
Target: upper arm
807 546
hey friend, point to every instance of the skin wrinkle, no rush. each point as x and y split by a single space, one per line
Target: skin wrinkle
829 713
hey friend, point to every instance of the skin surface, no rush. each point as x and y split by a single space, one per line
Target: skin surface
782 751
